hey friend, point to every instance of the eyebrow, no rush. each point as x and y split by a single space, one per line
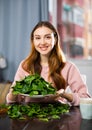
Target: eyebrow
44 35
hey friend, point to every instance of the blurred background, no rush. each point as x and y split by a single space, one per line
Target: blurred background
72 18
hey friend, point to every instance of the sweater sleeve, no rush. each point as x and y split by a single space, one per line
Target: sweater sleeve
76 83
20 74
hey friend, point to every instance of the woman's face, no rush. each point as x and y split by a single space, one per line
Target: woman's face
44 40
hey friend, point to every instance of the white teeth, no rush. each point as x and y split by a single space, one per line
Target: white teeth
43 48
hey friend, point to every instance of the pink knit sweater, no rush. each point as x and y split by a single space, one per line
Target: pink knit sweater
71 74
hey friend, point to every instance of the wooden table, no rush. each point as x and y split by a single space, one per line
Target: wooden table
69 121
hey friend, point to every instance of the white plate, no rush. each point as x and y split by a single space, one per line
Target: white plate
37 96
42 96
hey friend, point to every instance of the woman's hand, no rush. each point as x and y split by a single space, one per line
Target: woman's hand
65 95
60 92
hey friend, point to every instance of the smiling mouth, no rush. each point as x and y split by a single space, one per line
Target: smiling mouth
44 48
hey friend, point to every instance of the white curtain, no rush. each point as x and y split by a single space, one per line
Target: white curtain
17 18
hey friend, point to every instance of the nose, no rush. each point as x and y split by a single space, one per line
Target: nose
42 41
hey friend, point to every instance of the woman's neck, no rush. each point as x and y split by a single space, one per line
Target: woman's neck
44 63
44 60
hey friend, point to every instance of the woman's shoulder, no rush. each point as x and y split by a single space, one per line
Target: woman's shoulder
69 64
69 67
20 68
21 63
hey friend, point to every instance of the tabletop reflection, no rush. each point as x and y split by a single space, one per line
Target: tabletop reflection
69 121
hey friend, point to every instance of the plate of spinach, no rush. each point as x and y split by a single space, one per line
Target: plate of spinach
34 86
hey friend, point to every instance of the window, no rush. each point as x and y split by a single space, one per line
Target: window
74 23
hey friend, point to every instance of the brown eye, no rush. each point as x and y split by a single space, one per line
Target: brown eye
36 38
48 37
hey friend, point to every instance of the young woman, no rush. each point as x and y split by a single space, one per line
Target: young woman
47 59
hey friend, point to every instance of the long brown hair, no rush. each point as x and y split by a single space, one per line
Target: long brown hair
56 59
